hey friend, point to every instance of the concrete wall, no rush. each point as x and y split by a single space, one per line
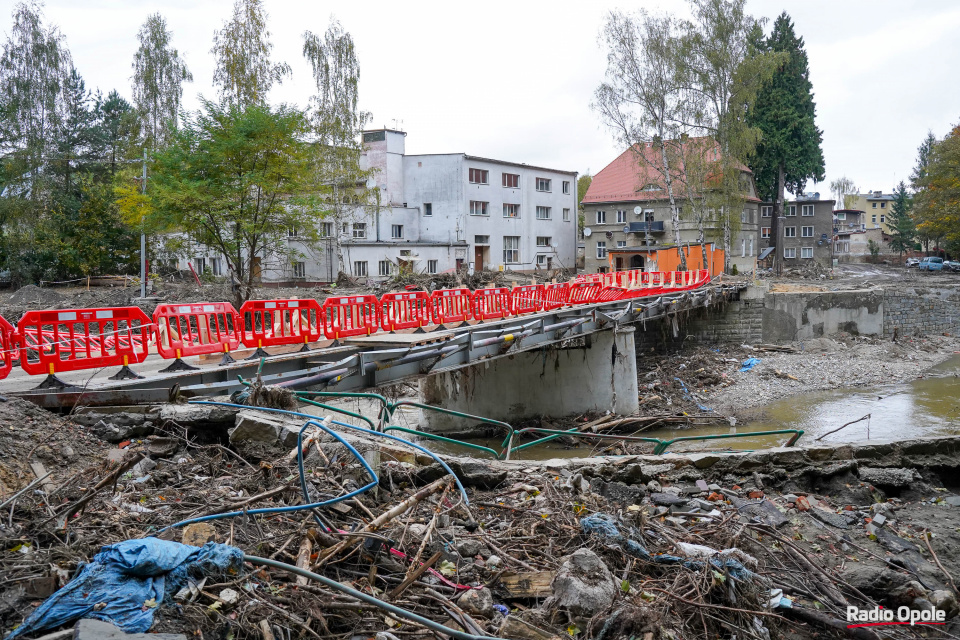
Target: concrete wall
917 311
801 315
601 376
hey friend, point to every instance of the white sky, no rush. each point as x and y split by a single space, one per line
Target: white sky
514 80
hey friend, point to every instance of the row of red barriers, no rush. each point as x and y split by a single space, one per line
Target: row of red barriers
50 342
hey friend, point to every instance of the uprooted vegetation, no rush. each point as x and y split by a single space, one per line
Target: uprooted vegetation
623 547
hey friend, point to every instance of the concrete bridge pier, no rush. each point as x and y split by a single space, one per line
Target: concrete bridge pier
600 376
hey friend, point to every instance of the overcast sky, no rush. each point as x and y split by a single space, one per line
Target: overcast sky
514 80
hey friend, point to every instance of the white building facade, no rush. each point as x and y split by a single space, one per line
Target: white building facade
440 213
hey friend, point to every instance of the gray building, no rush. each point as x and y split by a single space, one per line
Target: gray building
806 233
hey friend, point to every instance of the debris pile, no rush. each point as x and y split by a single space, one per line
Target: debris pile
341 537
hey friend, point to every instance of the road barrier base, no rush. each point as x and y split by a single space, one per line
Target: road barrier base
126 373
226 359
178 365
53 382
260 353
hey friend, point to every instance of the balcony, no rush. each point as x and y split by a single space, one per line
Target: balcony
644 227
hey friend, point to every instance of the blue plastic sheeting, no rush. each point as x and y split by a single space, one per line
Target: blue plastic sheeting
606 526
687 393
749 363
131 579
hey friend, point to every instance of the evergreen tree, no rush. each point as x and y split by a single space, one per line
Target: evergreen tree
789 152
900 221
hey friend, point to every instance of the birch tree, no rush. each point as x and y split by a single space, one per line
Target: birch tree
244 73
642 99
158 76
338 122
845 192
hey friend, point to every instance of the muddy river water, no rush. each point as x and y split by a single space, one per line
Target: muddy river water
927 406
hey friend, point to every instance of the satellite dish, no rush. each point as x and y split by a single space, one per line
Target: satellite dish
609 234
637 210
371 182
626 228
587 232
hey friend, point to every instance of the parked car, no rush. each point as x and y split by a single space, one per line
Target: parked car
951 265
913 262
931 264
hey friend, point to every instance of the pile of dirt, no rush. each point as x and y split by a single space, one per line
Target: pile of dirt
34 295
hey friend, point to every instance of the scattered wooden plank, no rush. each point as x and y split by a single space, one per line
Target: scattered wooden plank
534 584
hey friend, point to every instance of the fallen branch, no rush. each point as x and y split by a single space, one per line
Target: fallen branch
111 478
866 417
926 539
822 619
414 575
257 498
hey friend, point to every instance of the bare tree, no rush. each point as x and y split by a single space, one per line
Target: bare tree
338 123
643 98
244 72
158 76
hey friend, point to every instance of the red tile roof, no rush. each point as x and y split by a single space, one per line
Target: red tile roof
624 179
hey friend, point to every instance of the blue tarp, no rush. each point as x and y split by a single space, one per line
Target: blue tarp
130 580
749 363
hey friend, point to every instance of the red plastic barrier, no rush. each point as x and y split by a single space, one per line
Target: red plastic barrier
404 310
450 305
77 339
556 296
345 316
584 292
526 299
265 323
8 347
489 304
194 329
610 294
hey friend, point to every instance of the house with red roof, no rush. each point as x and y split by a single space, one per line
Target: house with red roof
628 216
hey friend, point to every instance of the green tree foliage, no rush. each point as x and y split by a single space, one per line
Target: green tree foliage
583 183
923 158
902 228
158 76
337 122
789 152
937 201
235 180
244 73
845 192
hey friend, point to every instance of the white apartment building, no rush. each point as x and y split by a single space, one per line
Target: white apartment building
438 213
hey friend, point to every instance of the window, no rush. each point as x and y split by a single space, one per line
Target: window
396 231
806 210
216 266
541 261
360 268
750 253
621 215
511 211
511 180
806 232
883 205
883 218
842 216
792 210
743 216
299 269
427 208
764 232
566 187
360 230
511 249
789 252
478 208
200 266
873 218
743 247
621 244
766 211
601 250
385 267
405 253
543 241
543 184
431 266
806 252
874 205
293 232
543 213
479 176
566 215
326 229
648 215
345 228
601 217
481 239
789 232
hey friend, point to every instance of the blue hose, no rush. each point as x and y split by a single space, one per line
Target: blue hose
303 484
463 491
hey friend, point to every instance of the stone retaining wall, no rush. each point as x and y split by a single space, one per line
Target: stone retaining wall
918 311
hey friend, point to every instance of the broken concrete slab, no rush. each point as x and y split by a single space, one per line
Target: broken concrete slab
763 511
882 477
830 518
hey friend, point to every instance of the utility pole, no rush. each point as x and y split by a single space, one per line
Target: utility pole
143 236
